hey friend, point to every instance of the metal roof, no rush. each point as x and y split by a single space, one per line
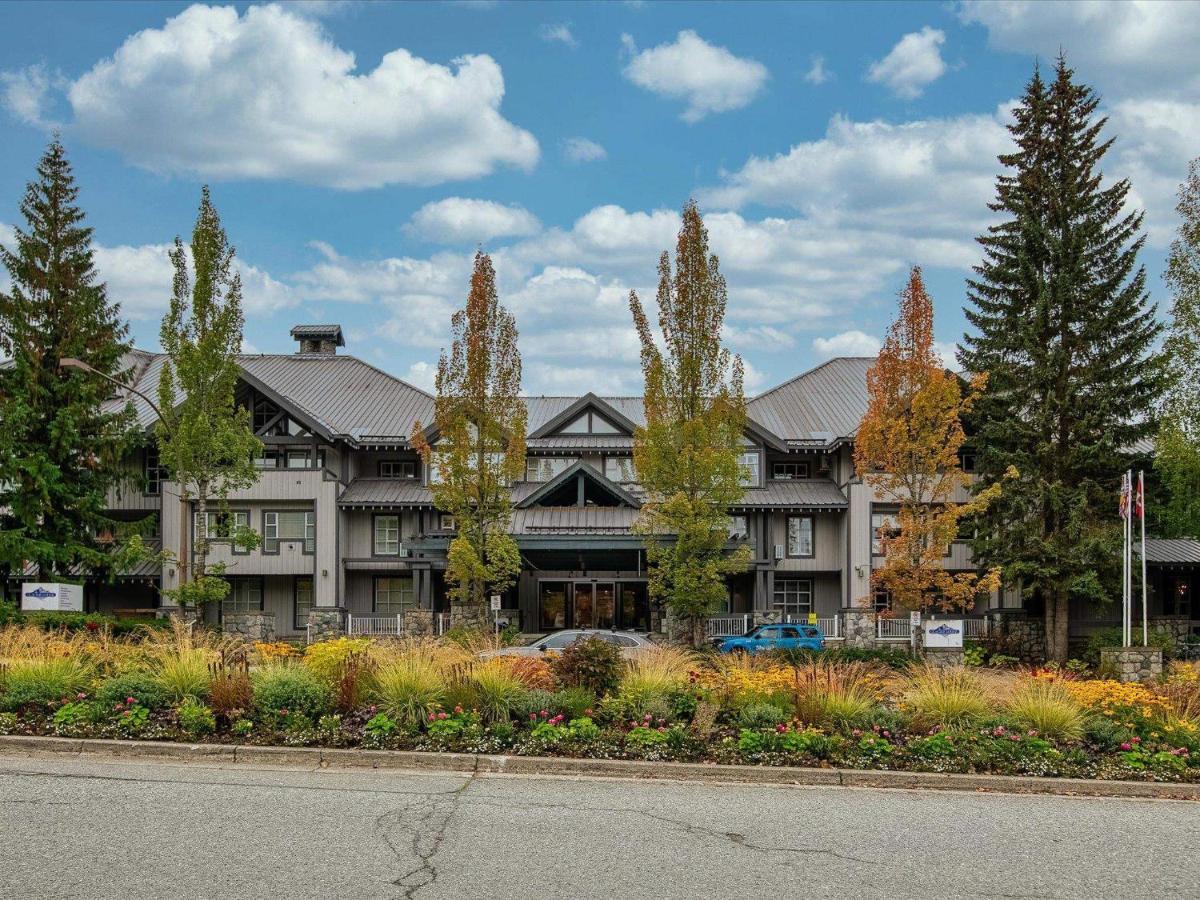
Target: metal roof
570 520
595 442
332 332
1172 551
832 398
542 409
385 492
803 493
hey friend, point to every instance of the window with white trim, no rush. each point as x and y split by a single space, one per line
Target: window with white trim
800 536
446 522
387 535
291 525
394 595
739 528
751 462
219 525
619 469
884 526
545 468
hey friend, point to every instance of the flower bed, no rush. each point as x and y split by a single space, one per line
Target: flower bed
589 702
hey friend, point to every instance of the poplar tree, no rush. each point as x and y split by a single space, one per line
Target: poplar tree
1177 448
205 440
907 449
1063 328
60 443
479 442
687 455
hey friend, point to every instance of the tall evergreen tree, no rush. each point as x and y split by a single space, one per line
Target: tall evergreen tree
480 418
688 454
1177 451
60 444
1063 329
205 440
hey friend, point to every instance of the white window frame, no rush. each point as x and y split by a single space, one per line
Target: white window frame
625 472
794 546
739 532
888 517
751 471
272 539
793 596
386 532
553 465
300 610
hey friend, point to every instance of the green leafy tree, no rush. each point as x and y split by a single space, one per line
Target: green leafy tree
1177 449
61 443
479 449
205 440
687 456
1063 328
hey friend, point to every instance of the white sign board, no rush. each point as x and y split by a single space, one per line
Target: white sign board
914 619
44 595
495 603
944 633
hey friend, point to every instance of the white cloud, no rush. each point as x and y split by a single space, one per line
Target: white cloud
268 95
421 374
913 63
1143 44
558 33
708 77
580 150
848 343
25 93
817 73
459 219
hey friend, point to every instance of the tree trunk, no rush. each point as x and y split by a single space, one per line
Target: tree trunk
1057 625
200 548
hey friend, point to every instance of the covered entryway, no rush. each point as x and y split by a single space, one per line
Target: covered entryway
601 602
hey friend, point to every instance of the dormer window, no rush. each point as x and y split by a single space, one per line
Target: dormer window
789 471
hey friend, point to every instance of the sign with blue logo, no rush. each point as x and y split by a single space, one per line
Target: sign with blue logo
43 596
946 633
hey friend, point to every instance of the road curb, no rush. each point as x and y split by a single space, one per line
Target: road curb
559 766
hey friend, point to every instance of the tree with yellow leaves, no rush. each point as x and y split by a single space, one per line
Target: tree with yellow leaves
907 449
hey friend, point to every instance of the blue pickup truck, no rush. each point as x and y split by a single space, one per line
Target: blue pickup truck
775 637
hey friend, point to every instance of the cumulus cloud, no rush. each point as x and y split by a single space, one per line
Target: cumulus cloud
458 219
25 94
709 78
817 73
422 375
848 343
559 33
913 63
580 150
267 94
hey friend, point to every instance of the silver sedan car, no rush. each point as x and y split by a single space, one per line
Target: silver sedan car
630 642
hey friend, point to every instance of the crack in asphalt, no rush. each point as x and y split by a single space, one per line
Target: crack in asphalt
426 824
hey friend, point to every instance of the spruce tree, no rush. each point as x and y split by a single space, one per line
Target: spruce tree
62 441
1063 330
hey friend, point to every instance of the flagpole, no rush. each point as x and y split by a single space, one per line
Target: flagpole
1142 516
1127 491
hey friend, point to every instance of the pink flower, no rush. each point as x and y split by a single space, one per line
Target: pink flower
857 732
458 710
1136 740
80 696
886 733
130 701
442 716
432 717
1127 746
533 717
588 712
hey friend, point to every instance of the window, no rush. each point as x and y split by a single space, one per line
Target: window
883 527
299 525
394 595
619 469
220 525
966 462
800 536
245 596
966 529
739 529
793 596
289 459
155 473
302 601
589 423
398 468
750 468
789 471
882 598
446 522
545 468
789 632
387 535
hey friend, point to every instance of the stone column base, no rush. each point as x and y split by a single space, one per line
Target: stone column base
470 615
259 626
1133 663
325 622
419 623
943 656
858 627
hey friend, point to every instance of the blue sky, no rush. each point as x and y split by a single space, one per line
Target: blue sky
358 153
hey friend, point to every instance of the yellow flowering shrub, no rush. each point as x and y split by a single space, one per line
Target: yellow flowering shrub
275 651
325 658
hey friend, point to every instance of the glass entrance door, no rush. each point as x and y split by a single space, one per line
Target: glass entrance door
606 604
594 604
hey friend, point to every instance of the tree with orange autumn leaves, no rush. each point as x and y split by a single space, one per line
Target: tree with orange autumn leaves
907 449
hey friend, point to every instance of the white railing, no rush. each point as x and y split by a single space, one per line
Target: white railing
441 621
375 625
728 626
831 626
975 628
887 629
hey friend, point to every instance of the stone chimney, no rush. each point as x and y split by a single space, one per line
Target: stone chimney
321 339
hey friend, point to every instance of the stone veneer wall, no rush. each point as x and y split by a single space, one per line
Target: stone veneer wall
326 622
1018 635
259 626
419 622
858 627
1133 663
1179 628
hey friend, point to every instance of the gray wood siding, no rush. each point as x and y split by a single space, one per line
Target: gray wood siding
826 556
358 539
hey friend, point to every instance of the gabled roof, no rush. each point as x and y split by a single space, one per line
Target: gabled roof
1171 551
572 412
578 470
817 406
541 409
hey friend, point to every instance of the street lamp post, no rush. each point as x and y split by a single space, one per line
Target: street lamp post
70 362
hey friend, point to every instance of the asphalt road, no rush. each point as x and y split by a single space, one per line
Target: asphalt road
83 828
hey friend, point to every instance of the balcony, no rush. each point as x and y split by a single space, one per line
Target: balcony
290 560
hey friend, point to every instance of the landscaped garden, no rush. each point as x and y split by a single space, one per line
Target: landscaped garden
836 708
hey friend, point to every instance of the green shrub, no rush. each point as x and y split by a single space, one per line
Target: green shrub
1048 708
761 715
498 693
644 736
944 697
290 689
533 703
71 716
1106 735
408 689
892 657
78 621
195 718
8 723
380 726
144 689
1113 637
590 663
42 682
132 720
573 702
241 728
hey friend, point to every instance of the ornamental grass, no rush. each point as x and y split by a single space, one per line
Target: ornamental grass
497 692
43 681
832 693
410 679
655 674
943 697
182 656
1047 707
